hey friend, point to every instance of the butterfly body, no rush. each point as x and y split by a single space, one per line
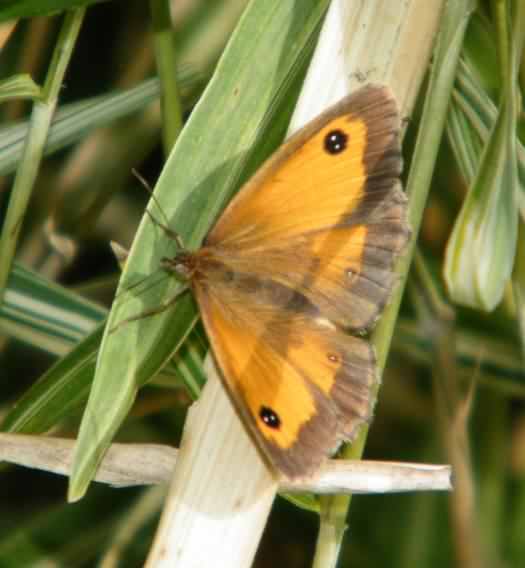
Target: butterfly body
303 254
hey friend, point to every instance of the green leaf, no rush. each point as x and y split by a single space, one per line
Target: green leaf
519 286
481 250
252 79
19 87
44 314
52 318
59 393
471 119
74 121
34 144
10 9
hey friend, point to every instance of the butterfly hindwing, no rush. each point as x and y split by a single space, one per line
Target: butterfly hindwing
300 383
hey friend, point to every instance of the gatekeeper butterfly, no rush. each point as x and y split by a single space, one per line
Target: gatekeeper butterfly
296 269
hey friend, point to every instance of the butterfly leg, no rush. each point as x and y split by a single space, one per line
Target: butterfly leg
153 311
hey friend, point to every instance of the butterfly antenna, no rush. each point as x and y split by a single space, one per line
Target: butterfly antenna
164 226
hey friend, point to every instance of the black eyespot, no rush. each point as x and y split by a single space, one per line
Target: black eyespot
333 358
335 141
270 418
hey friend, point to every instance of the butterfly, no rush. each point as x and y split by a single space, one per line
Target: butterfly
296 269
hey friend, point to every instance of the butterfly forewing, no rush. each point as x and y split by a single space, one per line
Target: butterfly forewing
326 215
334 171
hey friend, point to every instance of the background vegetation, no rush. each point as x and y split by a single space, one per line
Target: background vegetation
455 381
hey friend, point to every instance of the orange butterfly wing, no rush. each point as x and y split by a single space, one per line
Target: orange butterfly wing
300 384
328 224
307 248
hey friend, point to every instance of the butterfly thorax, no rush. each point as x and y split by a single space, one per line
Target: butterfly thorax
183 264
237 281
191 266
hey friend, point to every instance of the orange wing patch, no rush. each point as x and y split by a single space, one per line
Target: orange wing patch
320 187
331 172
301 384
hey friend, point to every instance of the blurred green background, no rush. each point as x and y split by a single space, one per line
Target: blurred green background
455 380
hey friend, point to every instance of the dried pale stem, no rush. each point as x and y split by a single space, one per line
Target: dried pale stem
126 465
